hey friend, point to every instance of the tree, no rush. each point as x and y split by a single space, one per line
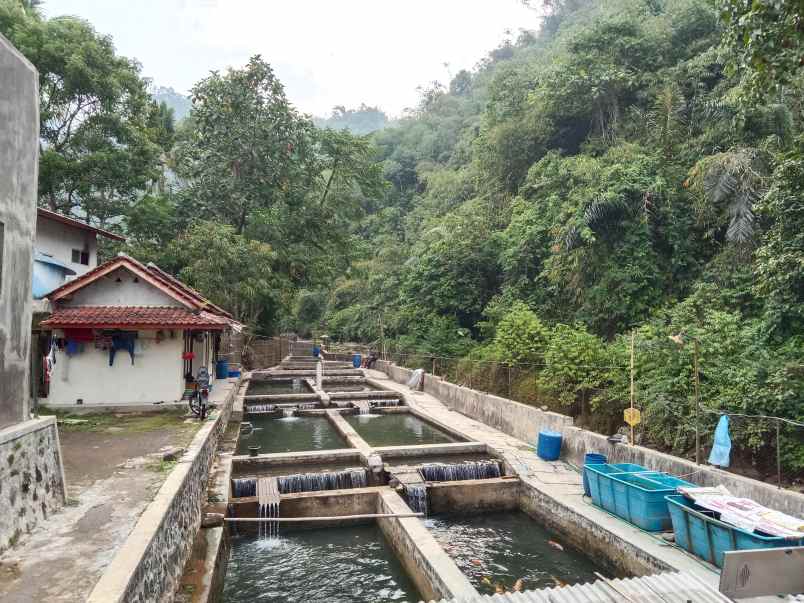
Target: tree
765 39
97 153
233 272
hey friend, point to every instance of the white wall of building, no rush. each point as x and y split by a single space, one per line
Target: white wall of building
59 240
106 291
155 376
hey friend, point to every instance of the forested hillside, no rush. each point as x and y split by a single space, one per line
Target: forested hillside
634 169
619 170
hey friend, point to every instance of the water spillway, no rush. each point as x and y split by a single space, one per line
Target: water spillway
304 482
268 506
363 406
451 472
416 495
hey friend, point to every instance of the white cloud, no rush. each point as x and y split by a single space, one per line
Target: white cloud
326 52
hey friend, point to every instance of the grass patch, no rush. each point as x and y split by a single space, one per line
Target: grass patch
117 422
161 466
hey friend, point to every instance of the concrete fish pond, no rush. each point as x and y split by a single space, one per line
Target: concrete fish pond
398 430
289 433
384 494
508 551
348 564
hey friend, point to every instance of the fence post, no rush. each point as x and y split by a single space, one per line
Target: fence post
778 453
509 382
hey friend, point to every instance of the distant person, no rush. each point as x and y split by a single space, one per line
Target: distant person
371 360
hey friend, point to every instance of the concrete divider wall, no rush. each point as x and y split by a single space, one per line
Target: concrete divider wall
431 569
149 565
525 422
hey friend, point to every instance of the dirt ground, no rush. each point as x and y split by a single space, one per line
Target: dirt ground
110 480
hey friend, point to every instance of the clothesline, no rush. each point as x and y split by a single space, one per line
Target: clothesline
768 417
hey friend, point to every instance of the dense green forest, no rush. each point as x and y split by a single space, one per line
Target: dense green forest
634 167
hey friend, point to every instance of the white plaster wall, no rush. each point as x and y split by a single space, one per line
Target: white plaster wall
108 292
155 376
59 240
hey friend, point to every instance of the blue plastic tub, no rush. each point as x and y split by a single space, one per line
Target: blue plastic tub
234 373
639 498
591 458
700 532
357 360
601 488
549 445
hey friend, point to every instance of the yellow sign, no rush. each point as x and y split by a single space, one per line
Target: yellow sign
632 416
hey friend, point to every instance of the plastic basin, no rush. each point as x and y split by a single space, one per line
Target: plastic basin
639 498
700 532
601 487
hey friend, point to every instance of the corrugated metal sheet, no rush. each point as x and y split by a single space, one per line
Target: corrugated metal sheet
659 588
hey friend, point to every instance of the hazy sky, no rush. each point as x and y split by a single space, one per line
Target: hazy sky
326 52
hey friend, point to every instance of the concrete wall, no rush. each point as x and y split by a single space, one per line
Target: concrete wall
474 496
156 375
525 422
31 477
108 292
58 240
434 573
148 567
19 139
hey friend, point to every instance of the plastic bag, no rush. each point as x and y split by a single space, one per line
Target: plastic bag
722 446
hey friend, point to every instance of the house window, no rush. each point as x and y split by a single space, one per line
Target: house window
80 257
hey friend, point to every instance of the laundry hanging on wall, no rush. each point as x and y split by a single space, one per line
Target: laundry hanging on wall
122 340
721 449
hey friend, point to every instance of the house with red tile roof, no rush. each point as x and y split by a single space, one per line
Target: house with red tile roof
127 333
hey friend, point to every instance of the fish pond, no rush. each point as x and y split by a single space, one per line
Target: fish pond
337 565
397 429
289 434
495 550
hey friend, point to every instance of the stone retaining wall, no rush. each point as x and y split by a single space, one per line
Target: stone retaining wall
525 422
32 483
149 565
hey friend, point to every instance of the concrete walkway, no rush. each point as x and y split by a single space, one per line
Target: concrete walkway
113 469
557 480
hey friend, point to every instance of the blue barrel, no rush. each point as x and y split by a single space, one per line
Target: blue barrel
221 369
357 360
591 458
549 445
316 351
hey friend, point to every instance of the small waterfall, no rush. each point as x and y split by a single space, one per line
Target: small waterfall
451 472
244 487
297 385
328 480
384 403
256 409
307 406
319 374
288 412
363 406
268 507
417 497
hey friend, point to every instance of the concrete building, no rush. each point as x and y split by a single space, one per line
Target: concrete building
31 476
64 248
128 334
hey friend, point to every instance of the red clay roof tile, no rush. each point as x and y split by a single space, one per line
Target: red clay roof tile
133 317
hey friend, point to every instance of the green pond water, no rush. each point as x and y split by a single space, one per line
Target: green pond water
398 429
291 434
501 548
350 564
269 388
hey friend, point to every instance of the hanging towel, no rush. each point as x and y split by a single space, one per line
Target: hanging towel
721 449
122 341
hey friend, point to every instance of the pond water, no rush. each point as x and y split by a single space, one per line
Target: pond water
268 388
289 434
338 565
397 429
500 548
